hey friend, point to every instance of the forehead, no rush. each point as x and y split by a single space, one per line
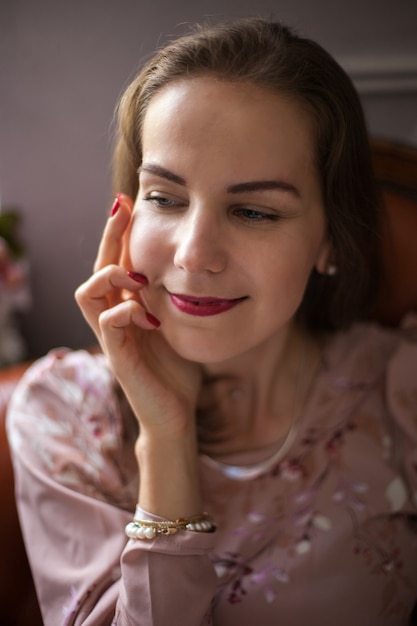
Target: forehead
207 115
233 101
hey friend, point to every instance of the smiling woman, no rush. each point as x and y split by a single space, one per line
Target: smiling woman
238 375
236 224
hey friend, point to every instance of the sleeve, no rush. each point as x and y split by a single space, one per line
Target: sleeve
76 485
402 399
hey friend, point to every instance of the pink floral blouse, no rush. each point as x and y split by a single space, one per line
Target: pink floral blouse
326 535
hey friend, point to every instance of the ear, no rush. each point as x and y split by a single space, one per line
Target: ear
326 257
125 260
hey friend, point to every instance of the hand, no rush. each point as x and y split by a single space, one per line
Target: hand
160 385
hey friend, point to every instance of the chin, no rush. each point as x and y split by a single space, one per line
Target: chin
200 347
204 355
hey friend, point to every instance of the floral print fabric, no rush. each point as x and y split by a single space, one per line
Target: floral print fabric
327 535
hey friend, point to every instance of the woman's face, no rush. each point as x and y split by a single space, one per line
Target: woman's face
229 222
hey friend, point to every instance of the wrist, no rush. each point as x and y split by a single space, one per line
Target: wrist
167 430
169 476
161 442
147 529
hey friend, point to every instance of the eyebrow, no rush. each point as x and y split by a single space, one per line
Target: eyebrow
263 185
250 186
152 168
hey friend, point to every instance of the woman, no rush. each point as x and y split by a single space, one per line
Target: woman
236 377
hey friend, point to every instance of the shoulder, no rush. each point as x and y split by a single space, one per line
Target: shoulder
366 351
65 421
375 369
401 382
62 363
75 383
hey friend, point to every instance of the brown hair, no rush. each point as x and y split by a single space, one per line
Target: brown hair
271 55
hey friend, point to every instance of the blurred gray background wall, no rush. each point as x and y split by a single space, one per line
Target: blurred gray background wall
62 67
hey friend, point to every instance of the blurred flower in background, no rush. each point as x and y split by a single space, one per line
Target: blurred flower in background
15 294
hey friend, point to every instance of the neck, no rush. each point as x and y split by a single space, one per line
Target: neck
251 401
257 368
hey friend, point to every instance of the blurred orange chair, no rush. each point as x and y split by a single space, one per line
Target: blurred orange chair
395 167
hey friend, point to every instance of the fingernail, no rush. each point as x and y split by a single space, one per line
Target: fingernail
140 278
153 320
116 205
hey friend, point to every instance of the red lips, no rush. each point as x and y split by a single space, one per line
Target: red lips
202 306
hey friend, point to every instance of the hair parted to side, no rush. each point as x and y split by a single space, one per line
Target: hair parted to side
272 56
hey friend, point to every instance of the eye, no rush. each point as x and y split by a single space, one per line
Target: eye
162 202
254 215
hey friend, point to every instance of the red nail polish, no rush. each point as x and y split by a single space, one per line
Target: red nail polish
153 320
116 205
140 278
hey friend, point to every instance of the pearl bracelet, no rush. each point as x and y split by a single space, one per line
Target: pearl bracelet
147 529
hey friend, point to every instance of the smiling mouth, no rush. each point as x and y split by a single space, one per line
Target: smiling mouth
203 306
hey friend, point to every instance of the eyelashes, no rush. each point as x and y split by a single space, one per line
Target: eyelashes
253 215
248 215
162 202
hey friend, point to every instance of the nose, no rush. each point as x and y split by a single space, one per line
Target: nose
200 245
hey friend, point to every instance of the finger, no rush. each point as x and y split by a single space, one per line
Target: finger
104 289
111 243
118 323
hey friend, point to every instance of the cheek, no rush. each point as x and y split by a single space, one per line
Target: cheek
147 243
284 276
